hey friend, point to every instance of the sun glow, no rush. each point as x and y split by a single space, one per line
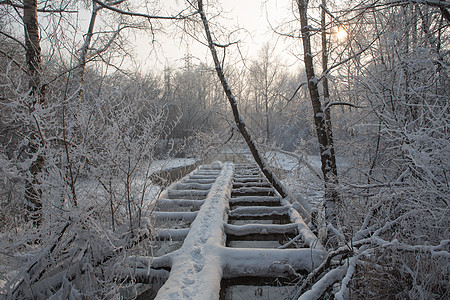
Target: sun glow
341 34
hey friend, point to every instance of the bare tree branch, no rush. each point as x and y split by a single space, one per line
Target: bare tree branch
434 3
14 39
225 45
347 59
14 61
342 103
296 90
136 14
44 10
274 181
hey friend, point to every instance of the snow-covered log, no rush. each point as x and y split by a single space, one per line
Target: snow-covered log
268 262
252 190
192 185
255 199
190 194
341 295
209 172
186 179
308 236
202 177
200 180
139 261
237 185
163 204
240 230
323 284
247 178
172 234
171 215
247 211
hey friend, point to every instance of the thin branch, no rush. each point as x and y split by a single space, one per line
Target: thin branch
296 90
342 103
331 15
225 45
347 59
368 186
136 14
14 61
110 41
439 250
37 262
387 4
44 10
14 39
436 3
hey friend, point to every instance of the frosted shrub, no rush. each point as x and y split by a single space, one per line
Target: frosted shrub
95 190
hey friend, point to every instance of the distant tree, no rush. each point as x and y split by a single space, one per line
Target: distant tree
193 93
265 77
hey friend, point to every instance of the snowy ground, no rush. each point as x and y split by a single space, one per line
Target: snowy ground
301 175
298 177
167 164
93 194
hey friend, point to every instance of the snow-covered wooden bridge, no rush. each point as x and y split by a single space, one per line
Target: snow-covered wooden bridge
222 232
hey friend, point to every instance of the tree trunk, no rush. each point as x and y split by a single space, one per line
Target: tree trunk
33 193
266 97
33 48
325 148
326 93
233 103
81 68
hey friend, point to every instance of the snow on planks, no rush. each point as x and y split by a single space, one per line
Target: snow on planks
228 235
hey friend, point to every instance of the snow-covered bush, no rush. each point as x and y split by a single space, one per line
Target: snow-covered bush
400 202
95 184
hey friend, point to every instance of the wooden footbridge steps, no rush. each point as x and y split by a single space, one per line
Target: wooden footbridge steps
178 206
222 232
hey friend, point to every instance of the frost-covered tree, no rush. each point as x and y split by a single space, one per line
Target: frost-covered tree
321 122
89 167
394 217
264 80
194 93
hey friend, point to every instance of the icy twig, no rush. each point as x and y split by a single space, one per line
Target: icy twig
320 269
346 280
320 286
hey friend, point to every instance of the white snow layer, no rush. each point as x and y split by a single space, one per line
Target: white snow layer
173 163
199 265
196 267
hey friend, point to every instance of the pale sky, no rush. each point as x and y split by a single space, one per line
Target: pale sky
252 15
